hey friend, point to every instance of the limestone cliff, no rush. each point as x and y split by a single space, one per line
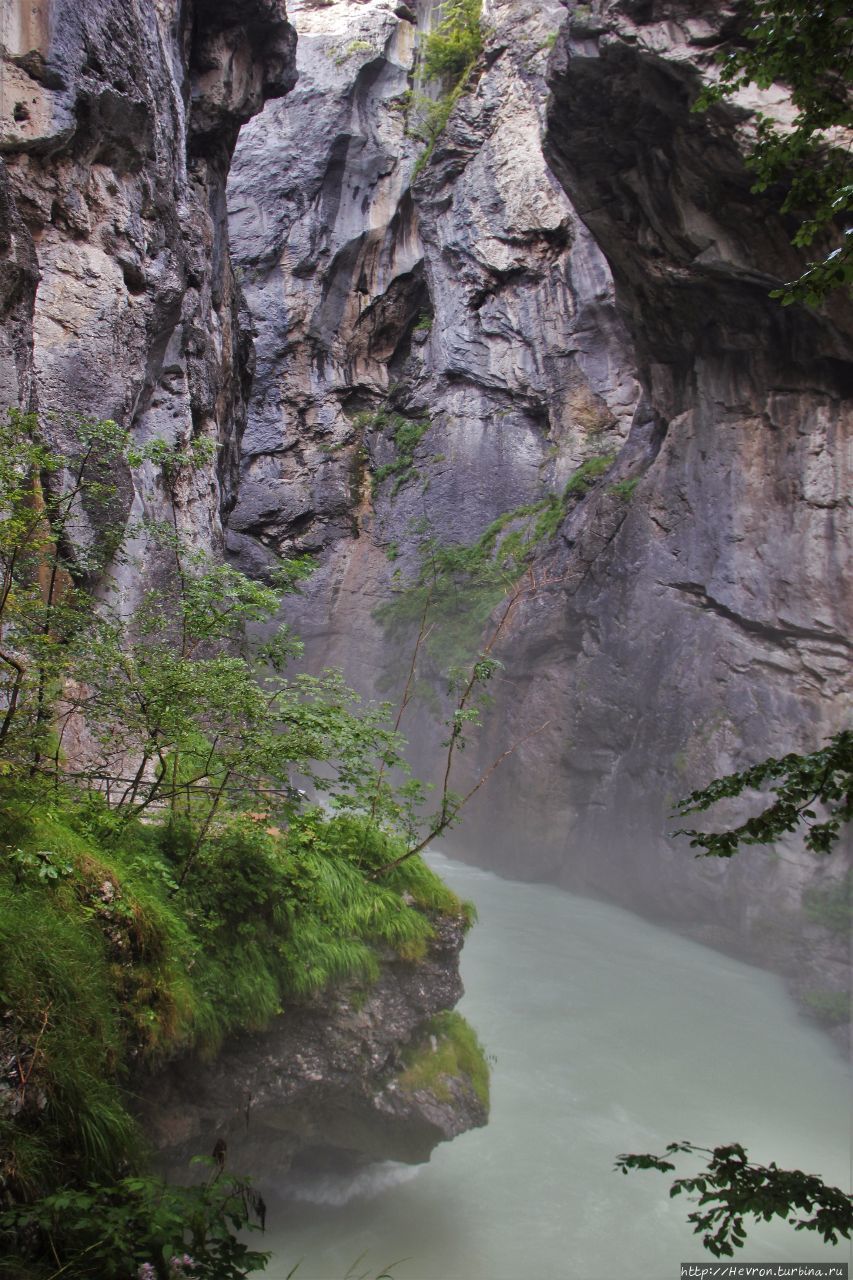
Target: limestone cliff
117 124
472 301
577 277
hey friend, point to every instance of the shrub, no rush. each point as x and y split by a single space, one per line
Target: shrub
456 42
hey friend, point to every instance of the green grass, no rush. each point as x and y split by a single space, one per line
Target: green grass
624 488
103 964
458 1053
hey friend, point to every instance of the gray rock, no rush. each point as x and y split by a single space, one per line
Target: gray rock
692 616
324 1078
117 123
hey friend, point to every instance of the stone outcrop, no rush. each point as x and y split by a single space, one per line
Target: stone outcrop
326 1079
691 616
117 123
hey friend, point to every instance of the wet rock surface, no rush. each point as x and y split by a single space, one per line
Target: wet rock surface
323 1079
466 297
117 124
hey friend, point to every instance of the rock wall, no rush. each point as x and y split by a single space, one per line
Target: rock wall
468 297
117 124
564 278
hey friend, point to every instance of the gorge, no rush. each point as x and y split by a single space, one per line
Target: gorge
493 348
691 607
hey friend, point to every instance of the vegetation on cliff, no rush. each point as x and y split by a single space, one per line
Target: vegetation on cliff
809 49
448 55
164 881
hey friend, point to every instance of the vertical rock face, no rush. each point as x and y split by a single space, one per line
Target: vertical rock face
714 628
690 615
117 123
465 301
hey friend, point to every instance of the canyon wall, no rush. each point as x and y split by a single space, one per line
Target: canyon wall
577 272
118 300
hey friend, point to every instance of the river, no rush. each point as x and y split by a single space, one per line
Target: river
609 1034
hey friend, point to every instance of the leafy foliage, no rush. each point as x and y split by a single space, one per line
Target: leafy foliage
140 1227
456 42
799 782
461 585
808 48
731 1188
165 883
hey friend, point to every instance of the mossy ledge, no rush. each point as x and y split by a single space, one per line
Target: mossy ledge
117 991
447 1052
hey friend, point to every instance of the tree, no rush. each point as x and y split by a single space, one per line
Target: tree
809 48
731 1186
799 782
166 880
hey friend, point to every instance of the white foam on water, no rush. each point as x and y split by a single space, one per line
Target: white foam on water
341 1188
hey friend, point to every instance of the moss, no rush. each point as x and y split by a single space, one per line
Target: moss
354 47
447 1050
624 488
586 475
406 434
829 1007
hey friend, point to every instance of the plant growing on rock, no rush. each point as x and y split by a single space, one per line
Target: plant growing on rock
449 54
163 881
808 48
457 41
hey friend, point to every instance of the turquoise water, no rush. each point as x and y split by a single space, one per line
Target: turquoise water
610 1035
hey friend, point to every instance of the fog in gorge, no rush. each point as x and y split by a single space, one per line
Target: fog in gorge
553 324
609 1035
459 317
